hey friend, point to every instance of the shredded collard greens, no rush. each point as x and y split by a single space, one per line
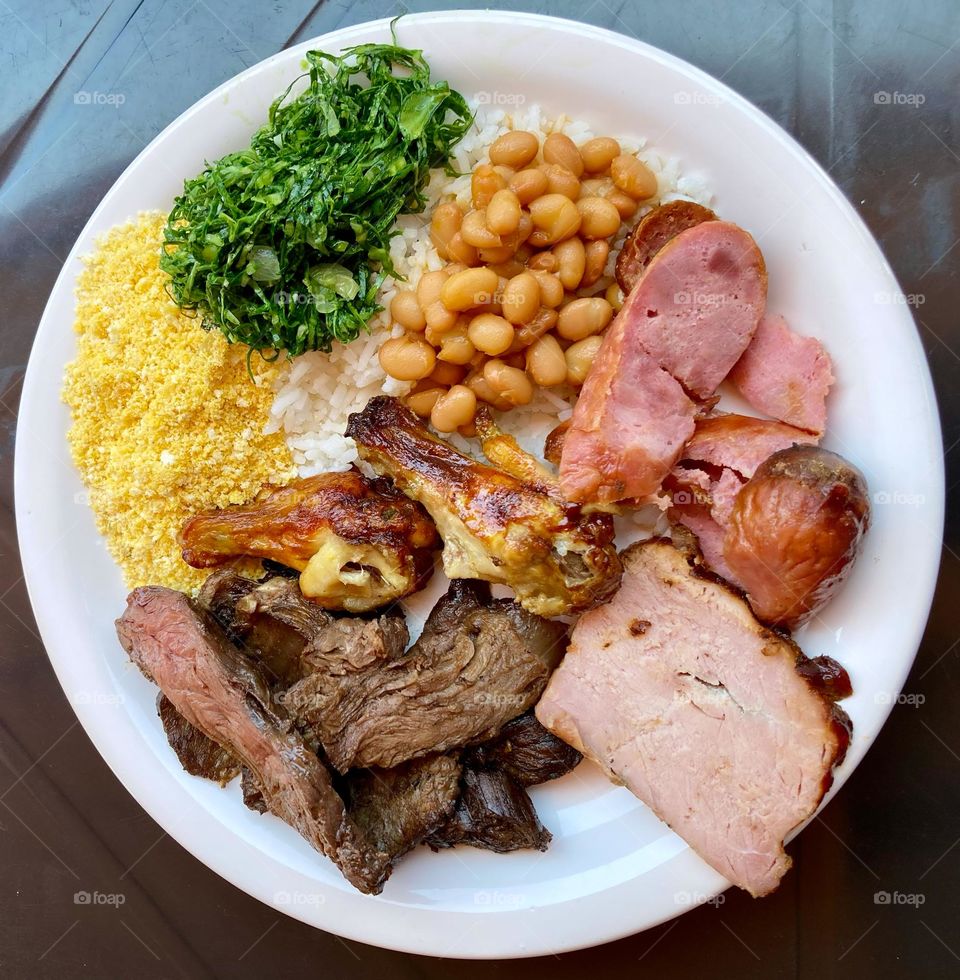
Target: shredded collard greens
283 246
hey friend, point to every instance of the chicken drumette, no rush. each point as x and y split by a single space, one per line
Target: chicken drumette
357 543
513 529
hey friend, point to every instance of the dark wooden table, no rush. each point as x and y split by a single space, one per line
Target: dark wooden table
66 824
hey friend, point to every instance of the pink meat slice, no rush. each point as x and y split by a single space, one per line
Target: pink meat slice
629 425
683 326
676 691
741 442
699 303
785 375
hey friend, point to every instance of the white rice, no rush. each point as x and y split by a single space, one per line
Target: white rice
318 391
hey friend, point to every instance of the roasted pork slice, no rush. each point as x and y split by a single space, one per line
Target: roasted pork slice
290 635
222 692
785 375
396 809
478 663
494 526
493 812
358 544
651 233
199 755
526 752
678 692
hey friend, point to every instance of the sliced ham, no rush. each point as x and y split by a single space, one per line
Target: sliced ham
681 329
720 726
740 442
699 303
629 425
785 375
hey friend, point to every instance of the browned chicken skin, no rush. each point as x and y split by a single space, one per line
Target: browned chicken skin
357 543
495 527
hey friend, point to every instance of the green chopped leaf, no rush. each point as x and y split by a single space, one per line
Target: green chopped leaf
283 245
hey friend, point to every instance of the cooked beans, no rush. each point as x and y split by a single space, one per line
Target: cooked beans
461 252
614 296
542 323
510 383
571 261
545 261
584 318
472 287
484 183
405 309
520 300
551 288
447 374
490 333
598 217
456 347
626 206
444 224
422 402
503 212
476 232
598 154
633 177
453 409
561 181
546 363
407 358
438 319
512 306
515 149
555 218
528 185
596 260
560 149
580 357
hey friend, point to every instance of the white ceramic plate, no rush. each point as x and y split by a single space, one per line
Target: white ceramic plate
613 869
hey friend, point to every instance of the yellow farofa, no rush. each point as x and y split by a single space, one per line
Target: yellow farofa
166 420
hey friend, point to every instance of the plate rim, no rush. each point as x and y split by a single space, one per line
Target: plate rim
93 723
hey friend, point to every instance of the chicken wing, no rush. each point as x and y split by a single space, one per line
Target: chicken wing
494 526
357 543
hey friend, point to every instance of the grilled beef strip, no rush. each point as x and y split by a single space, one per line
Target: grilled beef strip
221 691
526 752
291 635
478 663
494 813
199 755
397 808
